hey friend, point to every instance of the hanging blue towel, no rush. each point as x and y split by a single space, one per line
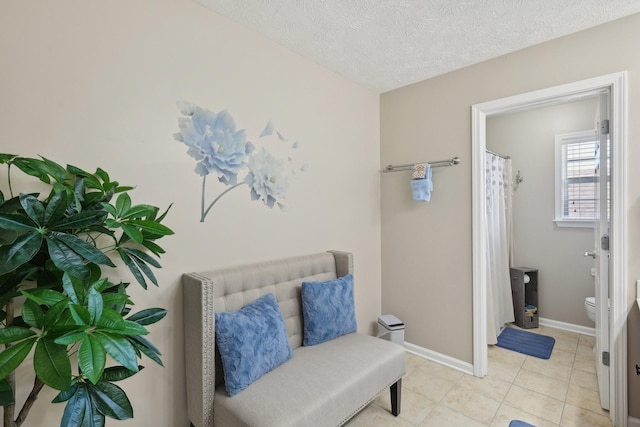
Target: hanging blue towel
422 188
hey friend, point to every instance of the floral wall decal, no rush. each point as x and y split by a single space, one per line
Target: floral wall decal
223 151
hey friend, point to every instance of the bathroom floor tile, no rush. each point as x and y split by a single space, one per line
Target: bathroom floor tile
549 368
562 357
542 384
585 398
373 415
441 371
474 405
584 379
535 403
427 384
443 416
587 340
414 407
489 386
572 416
585 365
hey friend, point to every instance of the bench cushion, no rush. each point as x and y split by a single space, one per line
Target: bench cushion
323 385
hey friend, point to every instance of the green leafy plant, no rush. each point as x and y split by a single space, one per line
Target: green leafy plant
55 298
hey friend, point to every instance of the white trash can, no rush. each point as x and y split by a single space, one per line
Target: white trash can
391 328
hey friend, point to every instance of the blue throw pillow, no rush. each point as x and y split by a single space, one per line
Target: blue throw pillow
252 341
328 310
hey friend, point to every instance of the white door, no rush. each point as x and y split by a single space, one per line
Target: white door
600 252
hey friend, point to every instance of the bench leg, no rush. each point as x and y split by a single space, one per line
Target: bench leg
396 395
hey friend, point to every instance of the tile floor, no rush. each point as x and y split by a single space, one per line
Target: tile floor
561 391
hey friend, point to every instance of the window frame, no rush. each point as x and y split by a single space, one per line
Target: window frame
560 141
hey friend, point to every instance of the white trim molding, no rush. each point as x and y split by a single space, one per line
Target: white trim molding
440 358
570 327
634 422
617 84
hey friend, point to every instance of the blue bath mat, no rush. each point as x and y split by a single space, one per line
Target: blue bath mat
524 342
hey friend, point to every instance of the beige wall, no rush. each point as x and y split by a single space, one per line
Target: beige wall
564 277
426 248
96 84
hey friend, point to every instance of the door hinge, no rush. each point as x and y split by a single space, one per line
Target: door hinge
605 358
604 242
604 127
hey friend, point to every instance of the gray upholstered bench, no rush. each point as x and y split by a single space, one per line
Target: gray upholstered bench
321 385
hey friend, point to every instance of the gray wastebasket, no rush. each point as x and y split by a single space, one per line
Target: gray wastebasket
391 329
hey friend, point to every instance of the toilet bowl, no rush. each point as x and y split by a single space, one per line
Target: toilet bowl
590 306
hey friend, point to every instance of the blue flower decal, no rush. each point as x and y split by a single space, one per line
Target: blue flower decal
221 149
214 142
266 178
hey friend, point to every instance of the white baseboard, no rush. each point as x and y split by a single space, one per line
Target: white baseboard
443 359
633 422
584 330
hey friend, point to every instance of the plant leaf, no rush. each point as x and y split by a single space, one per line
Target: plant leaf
6 394
55 208
46 297
133 328
74 288
145 346
33 207
80 314
94 305
52 315
132 267
32 314
21 251
111 400
119 348
13 356
52 364
65 395
81 220
66 259
123 204
148 316
82 248
132 232
56 171
92 358
143 256
13 334
111 320
139 211
16 222
33 167
153 247
71 337
119 373
152 227
80 411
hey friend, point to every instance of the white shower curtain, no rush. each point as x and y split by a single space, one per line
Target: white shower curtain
499 244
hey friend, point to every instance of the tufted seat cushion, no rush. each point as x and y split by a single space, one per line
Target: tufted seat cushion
319 386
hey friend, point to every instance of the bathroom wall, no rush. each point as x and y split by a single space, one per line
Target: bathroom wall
96 84
426 247
564 277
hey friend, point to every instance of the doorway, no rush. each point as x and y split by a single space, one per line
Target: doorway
616 83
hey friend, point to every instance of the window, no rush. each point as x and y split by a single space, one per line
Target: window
576 179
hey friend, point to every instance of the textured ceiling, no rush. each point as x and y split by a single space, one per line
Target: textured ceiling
386 44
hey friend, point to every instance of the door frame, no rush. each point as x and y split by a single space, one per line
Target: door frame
617 84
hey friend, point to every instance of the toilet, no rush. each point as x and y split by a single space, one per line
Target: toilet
590 306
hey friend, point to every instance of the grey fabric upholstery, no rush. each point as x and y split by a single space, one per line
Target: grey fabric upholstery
322 385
